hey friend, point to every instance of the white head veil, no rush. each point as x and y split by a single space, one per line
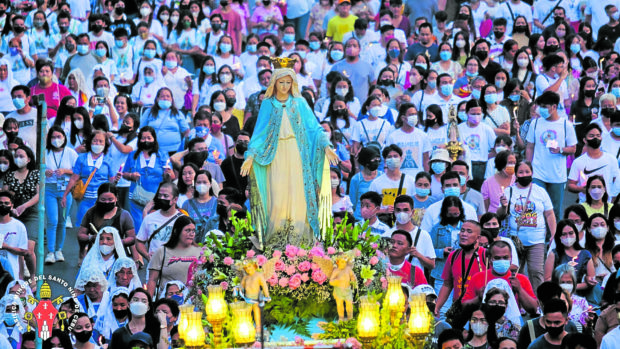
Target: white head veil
23 285
94 259
95 275
124 262
9 78
11 299
181 287
79 79
512 309
106 323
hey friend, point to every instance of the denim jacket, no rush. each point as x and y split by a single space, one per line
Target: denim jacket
441 235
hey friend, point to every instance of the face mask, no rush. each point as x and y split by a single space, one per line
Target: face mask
13 51
446 90
524 181
460 43
150 53
121 313
5 210
201 131
490 98
145 11
175 20
544 112
373 165
224 3
555 331
138 308
216 128
438 167
470 74
422 65
552 48
225 48
19 103
208 69
494 231
476 94
315 45
432 84
479 328
422 192
462 116
79 124
403 217
412 120
162 204
445 55
515 98
482 55
607 112
165 18
288 38
241 147
251 48
82 49
97 149
499 149
394 53
336 55
177 298
83 336
575 48
225 78
474 119
615 91
203 188
597 193
463 180
219 106
367 212
523 62
19 29
4 167
615 15
510 170
392 163
106 249
119 43
21 162
500 84
10 319
97 28
375 111
149 79
501 266
579 227
272 50
616 131
101 52
568 242
335 182
342 91
164 104
452 191
599 232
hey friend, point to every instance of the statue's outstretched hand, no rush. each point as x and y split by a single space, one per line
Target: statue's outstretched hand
331 156
247 166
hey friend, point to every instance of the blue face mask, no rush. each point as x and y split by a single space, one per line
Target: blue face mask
438 167
163 104
422 192
462 116
616 91
501 266
208 69
445 55
490 98
476 94
471 75
515 98
544 112
616 131
101 52
19 103
150 53
177 298
10 319
463 180
337 55
272 50
288 38
149 79
251 48
446 90
575 48
422 65
302 54
202 131
394 53
82 49
315 45
171 64
452 191
119 43
225 48
432 84
13 51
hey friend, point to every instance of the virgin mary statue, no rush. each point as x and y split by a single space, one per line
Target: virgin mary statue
288 162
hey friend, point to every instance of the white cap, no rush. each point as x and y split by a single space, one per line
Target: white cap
425 289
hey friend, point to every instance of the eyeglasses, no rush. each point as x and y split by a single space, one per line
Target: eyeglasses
497 303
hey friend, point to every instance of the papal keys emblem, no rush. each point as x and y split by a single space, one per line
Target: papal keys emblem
45 312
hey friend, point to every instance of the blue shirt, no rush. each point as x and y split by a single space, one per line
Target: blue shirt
357 188
150 176
102 175
169 128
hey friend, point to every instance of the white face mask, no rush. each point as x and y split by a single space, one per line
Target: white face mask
599 232
97 149
138 308
479 328
79 124
145 11
202 188
225 78
412 120
567 287
616 224
579 226
21 162
597 193
568 242
106 249
523 62
4 167
335 182
403 217
460 43
219 106
342 91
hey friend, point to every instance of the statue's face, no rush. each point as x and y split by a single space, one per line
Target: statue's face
250 269
284 84
341 263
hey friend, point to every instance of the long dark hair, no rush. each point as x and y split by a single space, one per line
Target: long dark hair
63 338
105 187
333 120
155 108
48 142
403 111
181 183
559 247
591 245
152 327
589 183
450 201
155 149
177 228
86 129
64 110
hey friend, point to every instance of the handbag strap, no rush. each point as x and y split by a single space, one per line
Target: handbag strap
551 12
90 177
163 226
464 272
163 260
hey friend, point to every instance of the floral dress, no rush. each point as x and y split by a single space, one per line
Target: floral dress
507 329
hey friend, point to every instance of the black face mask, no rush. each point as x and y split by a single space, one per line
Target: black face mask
463 16
468 247
83 336
497 310
221 211
525 180
124 129
482 55
121 314
373 165
555 331
589 93
594 143
551 48
498 34
452 220
104 207
146 145
558 20
70 47
340 113
97 28
266 3
162 204
119 10
386 82
11 135
63 29
5 210
230 102
493 231
224 3
216 26
607 112
520 28
430 122
241 147
431 306
19 29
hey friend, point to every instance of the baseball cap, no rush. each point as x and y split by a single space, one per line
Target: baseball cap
141 337
425 289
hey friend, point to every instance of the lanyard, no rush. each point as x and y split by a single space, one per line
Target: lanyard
57 163
463 272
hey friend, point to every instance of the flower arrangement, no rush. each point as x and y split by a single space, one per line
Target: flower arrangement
299 288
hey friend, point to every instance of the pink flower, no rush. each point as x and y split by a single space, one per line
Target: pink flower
295 282
228 261
353 343
224 285
331 250
357 252
291 251
256 345
199 292
250 253
374 260
302 253
283 282
279 266
202 260
277 254
384 283
375 246
299 340
314 266
305 277
211 258
290 270
260 259
319 277
304 266
367 282
273 280
316 251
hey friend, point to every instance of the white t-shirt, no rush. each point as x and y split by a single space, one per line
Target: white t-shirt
178 86
533 229
511 11
414 145
431 216
585 167
421 99
27 127
437 137
64 159
367 131
549 167
599 17
610 145
13 234
543 81
151 223
478 141
424 244
444 105
389 188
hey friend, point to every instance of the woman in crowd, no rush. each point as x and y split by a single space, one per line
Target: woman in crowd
202 207
81 129
452 217
106 249
599 242
228 123
167 122
115 314
340 201
597 199
567 277
493 187
446 65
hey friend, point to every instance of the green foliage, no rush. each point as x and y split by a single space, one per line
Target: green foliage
296 314
338 330
348 236
392 337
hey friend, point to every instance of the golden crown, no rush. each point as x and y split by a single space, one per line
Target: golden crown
279 63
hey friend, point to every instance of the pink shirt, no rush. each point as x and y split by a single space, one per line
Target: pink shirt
233 28
53 95
492 191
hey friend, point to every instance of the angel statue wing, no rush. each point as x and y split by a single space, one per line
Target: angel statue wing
325 264
269 268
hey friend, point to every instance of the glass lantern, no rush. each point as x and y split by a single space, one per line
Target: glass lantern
395 298
195 336
243 326
368 321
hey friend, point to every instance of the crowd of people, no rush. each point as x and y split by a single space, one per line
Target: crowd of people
151 105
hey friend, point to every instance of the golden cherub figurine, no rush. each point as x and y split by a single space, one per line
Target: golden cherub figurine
253 282
343 279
